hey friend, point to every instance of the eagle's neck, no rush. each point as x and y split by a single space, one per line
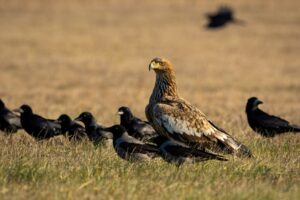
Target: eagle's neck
165 85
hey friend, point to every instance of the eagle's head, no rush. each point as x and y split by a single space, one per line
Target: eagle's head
160 65
165 84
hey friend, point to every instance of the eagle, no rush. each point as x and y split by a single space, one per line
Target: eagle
175 118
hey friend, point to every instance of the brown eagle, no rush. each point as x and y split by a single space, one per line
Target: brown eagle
174 117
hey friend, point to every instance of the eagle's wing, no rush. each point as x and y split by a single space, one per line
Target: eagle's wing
181 121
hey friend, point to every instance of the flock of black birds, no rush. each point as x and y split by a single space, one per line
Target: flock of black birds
133 138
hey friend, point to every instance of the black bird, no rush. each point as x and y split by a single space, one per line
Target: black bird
179 153
135 127
71 129
37 126
94 131
222 17
265 124
9 121
130 148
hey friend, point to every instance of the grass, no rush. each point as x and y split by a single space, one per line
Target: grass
73 56
59 170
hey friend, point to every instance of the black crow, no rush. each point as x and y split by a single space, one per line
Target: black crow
180 153
223 16
135 127
9 121
94 131
265 124
130 148
37 126
71 129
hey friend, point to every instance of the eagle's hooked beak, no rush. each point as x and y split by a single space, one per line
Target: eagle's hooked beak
154 65
150 66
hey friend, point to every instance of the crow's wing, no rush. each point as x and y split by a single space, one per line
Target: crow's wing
182 151
138 148
270 121
12 118
43 124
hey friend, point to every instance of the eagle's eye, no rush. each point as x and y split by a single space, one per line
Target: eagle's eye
161 63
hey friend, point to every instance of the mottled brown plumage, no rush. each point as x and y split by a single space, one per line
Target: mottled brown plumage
176 118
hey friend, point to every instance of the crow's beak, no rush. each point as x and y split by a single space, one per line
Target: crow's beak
58 121
18 110
120 113
107 129
107 135
78 118
259 102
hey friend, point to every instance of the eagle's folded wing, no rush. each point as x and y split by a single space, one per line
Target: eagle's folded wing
185 122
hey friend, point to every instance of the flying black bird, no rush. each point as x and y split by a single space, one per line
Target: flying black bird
222 17
71 129
130 148
180 153
9 121
265 124
135 127
94 131
37 126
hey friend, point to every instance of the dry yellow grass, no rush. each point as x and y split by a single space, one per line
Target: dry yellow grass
72 56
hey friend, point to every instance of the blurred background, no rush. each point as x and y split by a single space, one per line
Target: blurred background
70 56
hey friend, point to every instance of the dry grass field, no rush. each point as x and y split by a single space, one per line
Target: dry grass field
72 56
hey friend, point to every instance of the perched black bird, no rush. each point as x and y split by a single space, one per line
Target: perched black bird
37 126
130 148
265 124
94 131
180 153
222 17
71 129
135 127
9 121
